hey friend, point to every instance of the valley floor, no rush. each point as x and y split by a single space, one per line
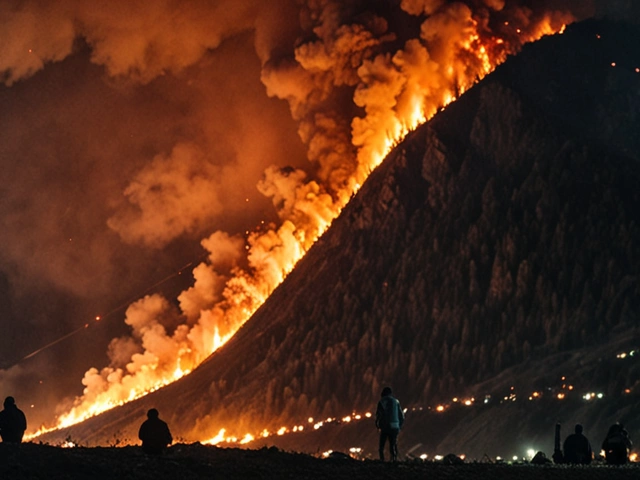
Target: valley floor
195 461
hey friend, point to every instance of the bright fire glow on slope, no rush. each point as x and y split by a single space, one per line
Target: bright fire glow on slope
561 391
396 93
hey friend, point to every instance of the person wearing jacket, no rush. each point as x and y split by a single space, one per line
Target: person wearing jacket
389 420
13 423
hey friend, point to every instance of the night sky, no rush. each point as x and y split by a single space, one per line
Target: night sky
143 142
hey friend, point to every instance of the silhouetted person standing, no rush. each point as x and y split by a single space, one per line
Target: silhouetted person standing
389 419
577 448
558 457
617 445
13 423
154 433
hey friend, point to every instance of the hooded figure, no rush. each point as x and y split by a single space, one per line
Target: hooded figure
13 423
617 445
389 420
154 433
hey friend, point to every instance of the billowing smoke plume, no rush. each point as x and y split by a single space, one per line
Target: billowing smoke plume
355 77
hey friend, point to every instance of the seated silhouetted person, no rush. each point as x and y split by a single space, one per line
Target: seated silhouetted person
577 448
13 423
616 445
154 433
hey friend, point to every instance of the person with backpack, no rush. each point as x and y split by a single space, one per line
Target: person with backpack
389 420
617 445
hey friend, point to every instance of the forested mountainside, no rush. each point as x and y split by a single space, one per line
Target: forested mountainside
501 233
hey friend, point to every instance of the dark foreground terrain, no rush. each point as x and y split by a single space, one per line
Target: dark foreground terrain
195 461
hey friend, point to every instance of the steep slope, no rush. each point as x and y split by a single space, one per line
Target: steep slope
500 238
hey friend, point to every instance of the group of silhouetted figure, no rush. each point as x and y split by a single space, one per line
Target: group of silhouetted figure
154 433
577 448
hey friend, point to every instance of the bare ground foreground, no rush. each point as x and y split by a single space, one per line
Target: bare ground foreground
195 461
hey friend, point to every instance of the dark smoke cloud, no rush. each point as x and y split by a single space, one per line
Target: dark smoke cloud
131 131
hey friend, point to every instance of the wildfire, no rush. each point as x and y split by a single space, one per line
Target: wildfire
397 92
223 438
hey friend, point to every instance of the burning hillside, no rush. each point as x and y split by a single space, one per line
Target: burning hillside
502 234
359 77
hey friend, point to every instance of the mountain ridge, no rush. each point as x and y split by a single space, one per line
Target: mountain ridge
503 231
